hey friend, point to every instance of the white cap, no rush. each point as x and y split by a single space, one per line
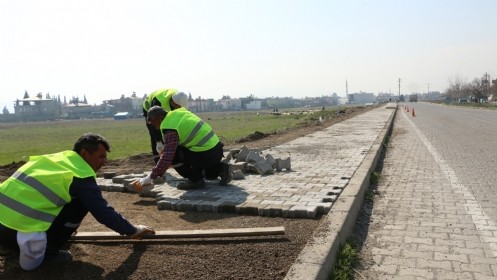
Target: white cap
181 99
32 247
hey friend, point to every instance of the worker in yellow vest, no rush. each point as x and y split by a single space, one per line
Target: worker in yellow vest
168 99
44 201
191 142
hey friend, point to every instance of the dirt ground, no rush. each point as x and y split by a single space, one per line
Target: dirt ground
228 258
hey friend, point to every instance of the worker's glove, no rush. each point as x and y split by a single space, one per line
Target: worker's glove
144 184
159 147
141 231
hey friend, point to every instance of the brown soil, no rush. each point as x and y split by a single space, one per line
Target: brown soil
221 258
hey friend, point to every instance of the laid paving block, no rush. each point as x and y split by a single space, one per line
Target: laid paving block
322 207
159 180
299 211
238 175
116 188
149 191
226 207
168 204
330 198
120 179
253 157
186 205
248 208
109 175
204 206
283 164
271 211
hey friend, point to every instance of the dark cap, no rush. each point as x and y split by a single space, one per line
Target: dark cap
156 111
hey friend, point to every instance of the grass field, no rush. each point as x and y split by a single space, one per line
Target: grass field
130 137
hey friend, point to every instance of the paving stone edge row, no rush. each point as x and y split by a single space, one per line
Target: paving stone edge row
318 257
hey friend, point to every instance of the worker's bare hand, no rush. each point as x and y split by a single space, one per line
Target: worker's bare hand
141 231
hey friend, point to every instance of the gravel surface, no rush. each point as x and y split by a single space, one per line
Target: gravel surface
220 258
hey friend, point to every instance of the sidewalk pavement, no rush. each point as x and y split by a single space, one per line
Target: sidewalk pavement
322 165
425 224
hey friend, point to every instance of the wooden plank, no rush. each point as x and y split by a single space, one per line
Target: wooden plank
166 234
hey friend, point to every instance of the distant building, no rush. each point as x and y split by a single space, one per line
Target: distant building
385 97
230 104
202 105
78 111
253 105
36 109
281 102
133 104
361 98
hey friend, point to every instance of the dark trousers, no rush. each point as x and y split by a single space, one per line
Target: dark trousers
155 136
197 165
64 225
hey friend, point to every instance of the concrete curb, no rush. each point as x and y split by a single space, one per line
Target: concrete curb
318 257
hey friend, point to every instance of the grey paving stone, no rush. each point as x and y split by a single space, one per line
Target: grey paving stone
436 198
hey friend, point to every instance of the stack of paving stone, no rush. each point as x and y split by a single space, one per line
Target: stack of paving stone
245 160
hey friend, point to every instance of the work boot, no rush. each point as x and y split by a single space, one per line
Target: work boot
199 184
226 174
60 256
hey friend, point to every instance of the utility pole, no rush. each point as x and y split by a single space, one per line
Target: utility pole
399 86
428 92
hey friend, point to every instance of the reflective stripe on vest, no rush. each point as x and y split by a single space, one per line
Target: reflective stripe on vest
192 134
25 210
205 139
35 184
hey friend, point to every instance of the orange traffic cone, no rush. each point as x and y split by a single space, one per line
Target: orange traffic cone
413 114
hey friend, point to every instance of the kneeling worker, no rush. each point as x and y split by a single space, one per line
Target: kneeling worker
44 201
168 99
191 143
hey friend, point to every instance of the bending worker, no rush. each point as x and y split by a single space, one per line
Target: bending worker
191 142
168 99
44 201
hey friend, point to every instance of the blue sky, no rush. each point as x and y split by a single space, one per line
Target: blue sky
103 49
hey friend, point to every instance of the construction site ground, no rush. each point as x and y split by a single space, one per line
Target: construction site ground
220 258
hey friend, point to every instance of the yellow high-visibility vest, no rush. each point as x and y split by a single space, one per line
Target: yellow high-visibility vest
194 134
163 95
34 195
